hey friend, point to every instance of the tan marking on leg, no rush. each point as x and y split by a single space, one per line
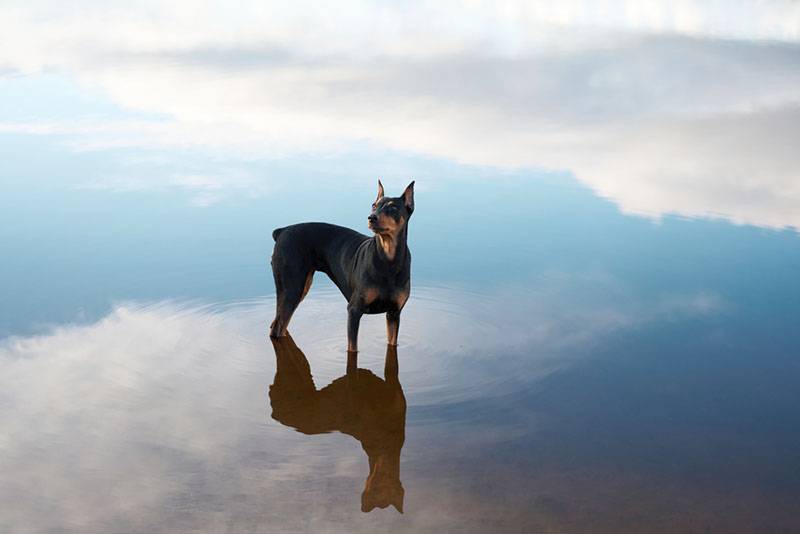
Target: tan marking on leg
400 298
353 320
370 295
309 279
391 333
392 327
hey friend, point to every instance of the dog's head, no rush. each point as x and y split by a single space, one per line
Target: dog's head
383 486
390 214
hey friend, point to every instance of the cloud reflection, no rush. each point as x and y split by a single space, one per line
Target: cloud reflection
156 415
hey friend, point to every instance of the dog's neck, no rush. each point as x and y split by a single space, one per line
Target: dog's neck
392 247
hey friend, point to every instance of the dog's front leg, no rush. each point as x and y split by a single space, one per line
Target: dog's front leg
390 367
353 319
392 326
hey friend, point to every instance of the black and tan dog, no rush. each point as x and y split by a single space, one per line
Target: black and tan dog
373 273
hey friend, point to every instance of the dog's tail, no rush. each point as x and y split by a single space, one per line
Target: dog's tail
276 233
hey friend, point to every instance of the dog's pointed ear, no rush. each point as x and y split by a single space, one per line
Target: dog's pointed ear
380 190
408 197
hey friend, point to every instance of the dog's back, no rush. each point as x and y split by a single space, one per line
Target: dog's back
301 249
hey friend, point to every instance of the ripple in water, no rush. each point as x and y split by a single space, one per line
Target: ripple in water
451 342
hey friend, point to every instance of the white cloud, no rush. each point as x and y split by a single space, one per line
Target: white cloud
204 189
664 107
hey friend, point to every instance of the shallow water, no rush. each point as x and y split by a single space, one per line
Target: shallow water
561 367
602 334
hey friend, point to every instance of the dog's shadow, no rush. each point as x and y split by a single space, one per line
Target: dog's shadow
358 404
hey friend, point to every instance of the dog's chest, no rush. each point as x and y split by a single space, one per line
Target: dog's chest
378 299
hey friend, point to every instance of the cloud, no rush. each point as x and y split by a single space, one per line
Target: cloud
740 166
159 413
687 108
204 189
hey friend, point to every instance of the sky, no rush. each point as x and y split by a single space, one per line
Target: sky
689 108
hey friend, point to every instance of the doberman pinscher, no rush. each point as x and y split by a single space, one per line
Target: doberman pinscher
373 273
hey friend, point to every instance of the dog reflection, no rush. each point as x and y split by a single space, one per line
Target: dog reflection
358 404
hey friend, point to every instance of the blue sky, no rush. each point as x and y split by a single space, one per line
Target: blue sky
686 108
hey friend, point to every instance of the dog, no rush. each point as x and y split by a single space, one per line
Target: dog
359 404
373 273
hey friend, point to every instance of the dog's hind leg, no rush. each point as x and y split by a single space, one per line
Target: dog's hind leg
307 286
287 302
291 286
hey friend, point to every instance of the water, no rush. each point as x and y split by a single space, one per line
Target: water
561 366
602 330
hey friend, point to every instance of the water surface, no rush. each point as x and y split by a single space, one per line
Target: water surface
561 367
602 330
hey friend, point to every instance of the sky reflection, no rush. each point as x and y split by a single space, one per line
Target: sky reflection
602 333
159 416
